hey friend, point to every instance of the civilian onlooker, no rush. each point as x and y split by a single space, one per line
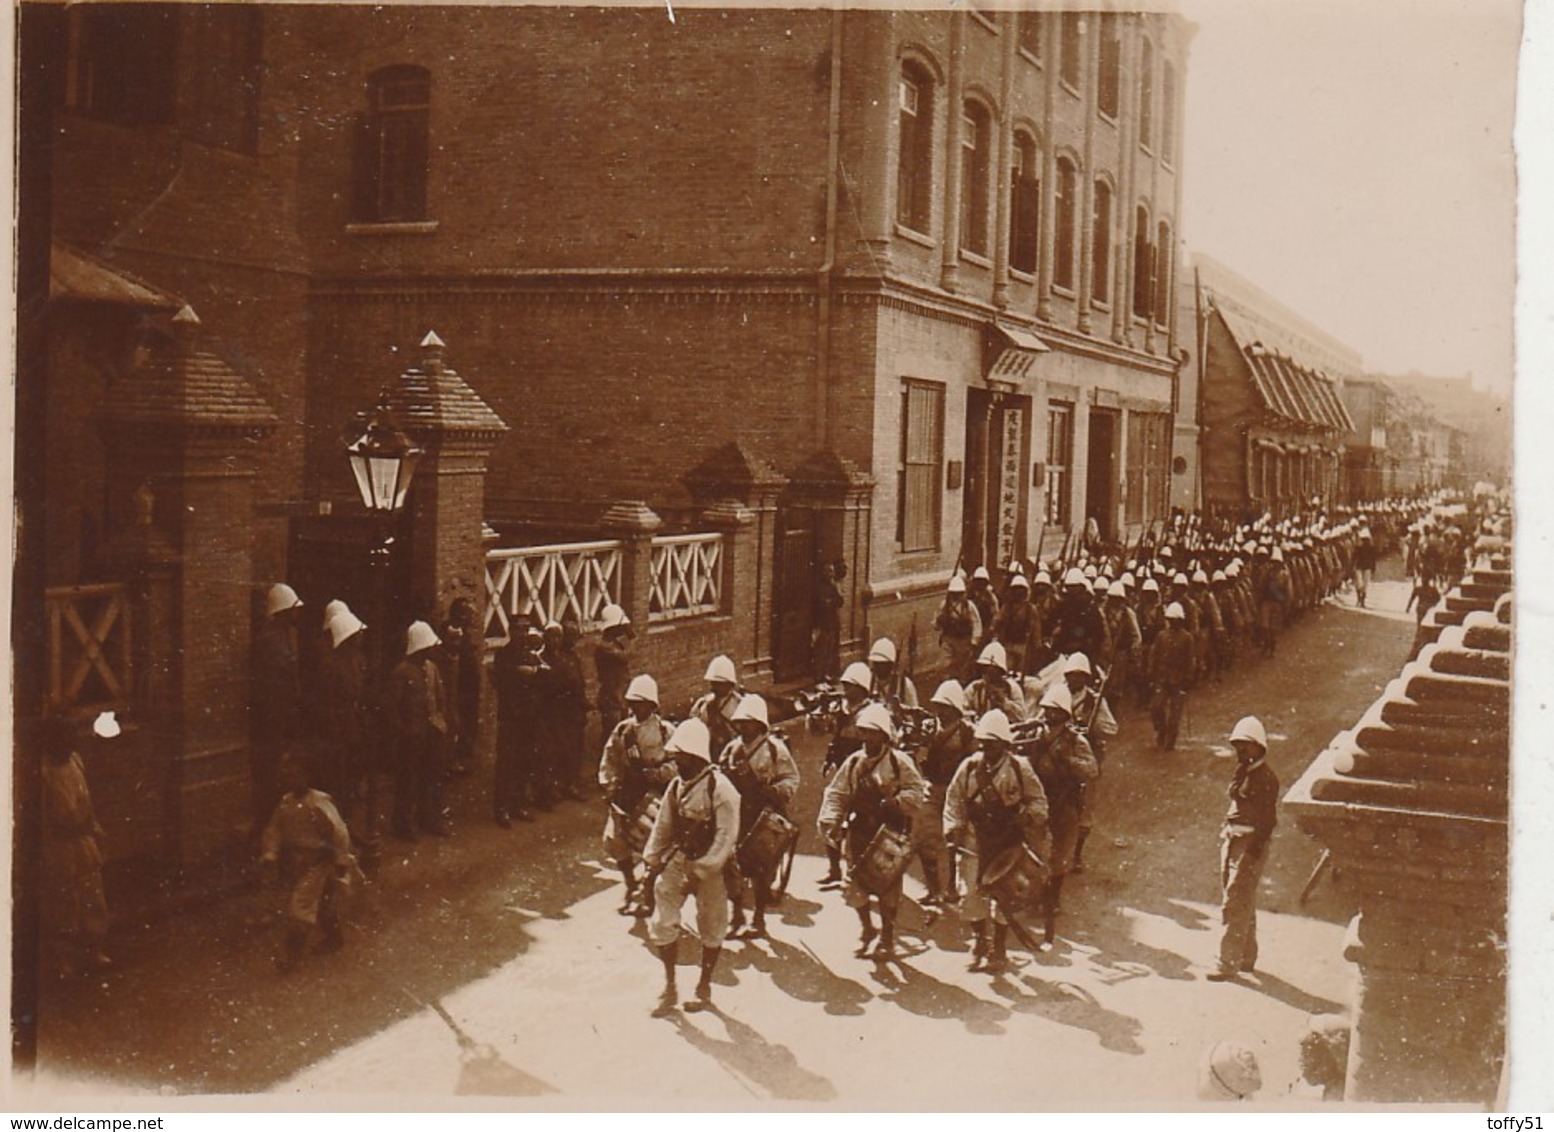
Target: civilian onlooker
75 908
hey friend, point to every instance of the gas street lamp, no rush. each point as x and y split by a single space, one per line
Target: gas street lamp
383 460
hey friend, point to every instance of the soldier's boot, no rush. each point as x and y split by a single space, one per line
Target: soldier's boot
865 937
1079 849
834 873
935 897
1054 898
736 921
979 946
291 948
886 950
669 997
998 957
703 998
629 873
758 920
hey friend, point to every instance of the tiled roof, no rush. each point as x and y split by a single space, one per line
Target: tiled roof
181 384
432 397
75 275
1286 386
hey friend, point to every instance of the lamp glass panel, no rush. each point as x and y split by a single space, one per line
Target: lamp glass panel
385 477
363 484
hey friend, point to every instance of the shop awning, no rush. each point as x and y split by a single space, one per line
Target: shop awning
1287 386
1020 350
77 276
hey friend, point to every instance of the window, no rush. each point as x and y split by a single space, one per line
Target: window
920 500
1163 249
1148 467
1024 205
914 161
1063 241
1109 93
392 147
122 63
1070 30
1143 266
1146 95
1060 459
1029 24
224 60
1101 245
1167 112
976 145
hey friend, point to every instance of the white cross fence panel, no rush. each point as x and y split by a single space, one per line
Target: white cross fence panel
687 576
550 583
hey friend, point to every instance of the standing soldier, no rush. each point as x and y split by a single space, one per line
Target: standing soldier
1273 601
717 705
1364 565
1094 719
634 766
1017 628
1170 671
1062 759
948 746
1151 618
276 706
827 639
691 843
342 683
855 697
1122 625
1249 825
307 847
416 712
569 707
74 905
762 769
519 676
465 644
960 628
612 665
994 802
876 787
1211 627
986 602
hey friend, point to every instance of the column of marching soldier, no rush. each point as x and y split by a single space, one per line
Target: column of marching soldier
993 782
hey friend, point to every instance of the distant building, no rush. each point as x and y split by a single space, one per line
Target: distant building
1480 427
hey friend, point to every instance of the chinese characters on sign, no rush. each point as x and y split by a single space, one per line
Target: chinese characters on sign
1009 484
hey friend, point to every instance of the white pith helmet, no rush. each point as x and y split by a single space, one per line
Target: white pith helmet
950 694
1074 577
1117 589
1250 728
691 738
857 674
752 707
720 670
994 725
876 717
995 656
882 651
1200 578
1150 586
980 574
1175 612
957 585
419 637
334 607
281 598
1058 696
1043 578
613 617
1021 582
1076 662
343 626
643 689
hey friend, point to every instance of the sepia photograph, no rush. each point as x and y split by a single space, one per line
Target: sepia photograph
581 558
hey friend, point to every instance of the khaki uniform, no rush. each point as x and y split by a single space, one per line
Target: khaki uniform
692 841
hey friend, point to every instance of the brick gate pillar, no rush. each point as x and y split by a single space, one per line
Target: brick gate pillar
841 498
634 523
181 433
743 576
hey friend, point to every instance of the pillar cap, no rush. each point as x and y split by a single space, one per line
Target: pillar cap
631 516
728 514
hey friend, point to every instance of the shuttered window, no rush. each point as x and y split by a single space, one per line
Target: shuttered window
1024 205
1148 467
393 147
921 498
1060 461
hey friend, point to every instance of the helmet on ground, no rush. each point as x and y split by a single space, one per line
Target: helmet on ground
950 694
1229 1073
857 673
1076 662
1251 729
1175 612
720 670
281 598
876 717
994 656
1074 577
994 725
752 707
883 651
957 585
642 689
1058 696
613 617
343 626
691 738
419 636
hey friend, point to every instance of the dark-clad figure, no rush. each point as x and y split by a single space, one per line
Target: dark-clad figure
520 675
1170 675
762 769
343 711
415 709
827 634
276 707
1064 762
1017 627
1248 830
464 645
995 802
986 601
612 666
568 708
695 835
74 906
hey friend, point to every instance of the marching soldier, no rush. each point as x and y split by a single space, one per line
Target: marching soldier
717 705
1122 626
1094 718
1064 762
691 843
1249 825
1017 627
986 603
635 765
940 758
994 802
1170 673
762 769
994 688
891 687
876 788
960 628
1077 625
856 681
343 696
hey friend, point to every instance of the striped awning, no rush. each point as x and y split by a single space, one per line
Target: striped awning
1302 393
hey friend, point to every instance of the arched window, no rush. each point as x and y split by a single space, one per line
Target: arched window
1147 94
1167 112
1024 202
1063 239
1143 265
392 146
1163 274
976 145
914 160
1109 90
1101 245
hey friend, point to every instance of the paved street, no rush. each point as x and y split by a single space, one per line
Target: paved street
494 965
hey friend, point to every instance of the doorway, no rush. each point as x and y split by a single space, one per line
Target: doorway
1101 472
997 492
797 575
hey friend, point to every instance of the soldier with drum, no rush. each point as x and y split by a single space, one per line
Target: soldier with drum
1062 759
994 688
856 682
995 813
871 800
692 840
762 769
949 745
716 706
633 772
